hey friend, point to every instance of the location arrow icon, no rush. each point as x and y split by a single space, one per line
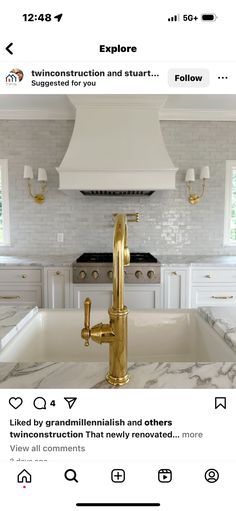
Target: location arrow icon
8 48
58 17
70 401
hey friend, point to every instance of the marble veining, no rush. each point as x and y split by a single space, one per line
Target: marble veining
12 319
223 320
146 376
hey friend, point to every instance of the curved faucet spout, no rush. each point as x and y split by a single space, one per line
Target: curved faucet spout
121 258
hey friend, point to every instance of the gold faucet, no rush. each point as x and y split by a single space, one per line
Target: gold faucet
115 332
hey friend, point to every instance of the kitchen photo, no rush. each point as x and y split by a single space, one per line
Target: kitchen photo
118 241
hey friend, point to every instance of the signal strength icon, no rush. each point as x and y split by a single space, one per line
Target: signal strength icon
176 17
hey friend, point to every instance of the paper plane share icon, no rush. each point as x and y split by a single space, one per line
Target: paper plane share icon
71 401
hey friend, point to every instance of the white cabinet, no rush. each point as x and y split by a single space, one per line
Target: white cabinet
136 296
213 296
175 288
214 276
213 287
19 295
57 287
100 294
21 276
21 286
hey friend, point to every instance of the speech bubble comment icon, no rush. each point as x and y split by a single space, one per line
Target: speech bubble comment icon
40 403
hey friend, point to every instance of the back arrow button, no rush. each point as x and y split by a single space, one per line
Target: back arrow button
8 48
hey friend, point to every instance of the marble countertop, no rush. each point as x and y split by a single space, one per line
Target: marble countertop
12 319
176 375
165 260
145 375
38 260
223 321
194 260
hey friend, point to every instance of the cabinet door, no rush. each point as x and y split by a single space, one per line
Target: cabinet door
211 276
20 295
213 296
57 288
142 297
100 295
20 275
176 289
135 297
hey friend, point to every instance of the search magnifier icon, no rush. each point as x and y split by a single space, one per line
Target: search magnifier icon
70 475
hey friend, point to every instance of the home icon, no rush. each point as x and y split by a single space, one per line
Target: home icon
24 477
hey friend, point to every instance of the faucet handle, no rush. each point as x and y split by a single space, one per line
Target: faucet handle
86 330
131 217
87 312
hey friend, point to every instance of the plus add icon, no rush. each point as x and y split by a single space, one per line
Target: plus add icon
118 475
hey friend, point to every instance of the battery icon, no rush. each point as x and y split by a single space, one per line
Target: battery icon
208 17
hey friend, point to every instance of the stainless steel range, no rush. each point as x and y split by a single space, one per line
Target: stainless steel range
94 267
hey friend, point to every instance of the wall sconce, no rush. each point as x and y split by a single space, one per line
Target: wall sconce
193 198
42 178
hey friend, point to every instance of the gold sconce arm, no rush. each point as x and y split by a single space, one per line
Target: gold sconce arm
194 198
39 198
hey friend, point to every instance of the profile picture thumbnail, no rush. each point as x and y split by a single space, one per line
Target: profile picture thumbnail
18 73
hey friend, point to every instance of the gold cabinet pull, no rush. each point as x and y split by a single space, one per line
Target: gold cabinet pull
10 298
174 273
58 272
223 297
23 275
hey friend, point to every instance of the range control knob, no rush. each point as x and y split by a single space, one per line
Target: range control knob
110 274
138 274
151 274
82 274
95 275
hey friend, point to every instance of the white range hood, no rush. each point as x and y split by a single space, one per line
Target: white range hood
117 147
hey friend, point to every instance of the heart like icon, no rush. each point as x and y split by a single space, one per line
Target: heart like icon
15 402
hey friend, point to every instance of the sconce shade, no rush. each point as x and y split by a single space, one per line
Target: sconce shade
205 172
42 175
190 175
28 172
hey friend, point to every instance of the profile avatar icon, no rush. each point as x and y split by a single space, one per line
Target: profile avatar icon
16 71
211 475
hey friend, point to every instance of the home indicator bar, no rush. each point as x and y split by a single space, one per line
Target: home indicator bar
128 504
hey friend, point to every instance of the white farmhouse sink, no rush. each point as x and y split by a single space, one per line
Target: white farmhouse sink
163 336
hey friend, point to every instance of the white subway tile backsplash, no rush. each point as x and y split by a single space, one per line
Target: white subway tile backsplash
169 225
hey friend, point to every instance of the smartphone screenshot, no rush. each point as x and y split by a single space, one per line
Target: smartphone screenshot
117 255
